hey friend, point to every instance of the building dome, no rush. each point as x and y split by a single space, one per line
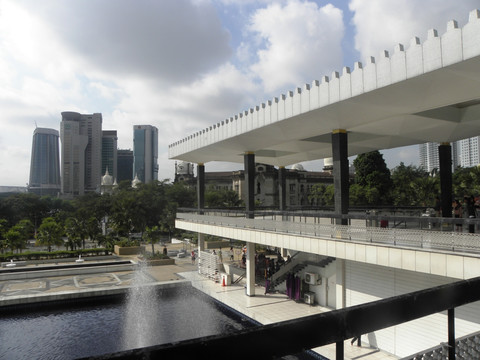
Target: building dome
298 167
136 181
107 179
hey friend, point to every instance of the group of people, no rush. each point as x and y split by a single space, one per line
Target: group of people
466 209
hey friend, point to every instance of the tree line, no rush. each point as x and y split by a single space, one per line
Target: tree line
150 209
374 184
103 219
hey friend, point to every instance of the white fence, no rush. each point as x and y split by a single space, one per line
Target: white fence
439 240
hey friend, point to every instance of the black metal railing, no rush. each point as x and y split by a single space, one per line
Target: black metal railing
294 336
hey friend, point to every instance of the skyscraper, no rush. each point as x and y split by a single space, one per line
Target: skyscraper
429 158
469 152
45 163
124 165
81 137
145 152
109 152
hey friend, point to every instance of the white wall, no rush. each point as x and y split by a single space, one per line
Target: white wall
365 283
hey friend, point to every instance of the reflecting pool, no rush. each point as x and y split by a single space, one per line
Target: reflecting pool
97 326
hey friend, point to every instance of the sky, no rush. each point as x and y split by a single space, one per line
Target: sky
182 65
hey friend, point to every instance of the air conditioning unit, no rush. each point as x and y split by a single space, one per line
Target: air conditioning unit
309 298
311 278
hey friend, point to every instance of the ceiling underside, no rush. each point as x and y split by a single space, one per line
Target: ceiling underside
438 106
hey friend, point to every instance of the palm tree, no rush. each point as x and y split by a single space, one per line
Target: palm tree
50 233
73 230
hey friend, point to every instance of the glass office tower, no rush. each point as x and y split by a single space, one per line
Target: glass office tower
109 152
145 153
45 163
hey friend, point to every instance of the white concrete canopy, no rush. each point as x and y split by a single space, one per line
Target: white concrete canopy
428 92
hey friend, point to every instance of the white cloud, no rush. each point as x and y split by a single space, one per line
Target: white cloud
166 41
380 25
302 42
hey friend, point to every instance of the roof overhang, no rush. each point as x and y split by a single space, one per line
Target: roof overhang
415 96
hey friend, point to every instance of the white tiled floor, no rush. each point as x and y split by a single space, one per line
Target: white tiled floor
272 308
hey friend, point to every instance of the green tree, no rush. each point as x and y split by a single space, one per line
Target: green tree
93 229
3 230
466 181
426 189
372 174
181 194
404 188
123 201
321 195
74 232
222 198
50 233
152 235
13 237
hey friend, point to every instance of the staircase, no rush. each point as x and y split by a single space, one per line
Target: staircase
295 265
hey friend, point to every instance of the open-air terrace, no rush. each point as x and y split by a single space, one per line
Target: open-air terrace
408 231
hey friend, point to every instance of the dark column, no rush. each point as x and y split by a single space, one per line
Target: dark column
339 353
340 172
451 333
445 159
249 161
282 191
201 202
200 187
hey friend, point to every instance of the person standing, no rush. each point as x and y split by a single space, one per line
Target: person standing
469 208
357 339
458 213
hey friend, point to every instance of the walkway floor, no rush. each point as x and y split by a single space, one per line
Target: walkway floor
265 309
272 308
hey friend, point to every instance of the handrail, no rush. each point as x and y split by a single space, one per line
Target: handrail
294 336
417 238
356 214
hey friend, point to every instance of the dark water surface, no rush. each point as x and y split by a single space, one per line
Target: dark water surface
111 324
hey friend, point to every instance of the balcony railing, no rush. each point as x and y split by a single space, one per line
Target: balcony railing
331 327
447 234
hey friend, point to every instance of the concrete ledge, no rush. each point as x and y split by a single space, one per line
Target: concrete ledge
36 273
83 294
159 262
128 250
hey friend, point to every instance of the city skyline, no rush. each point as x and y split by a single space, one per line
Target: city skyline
233 55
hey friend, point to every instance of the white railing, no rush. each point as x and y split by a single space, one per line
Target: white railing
438 240
208 265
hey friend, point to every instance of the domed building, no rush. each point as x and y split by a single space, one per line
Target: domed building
136 181
108 183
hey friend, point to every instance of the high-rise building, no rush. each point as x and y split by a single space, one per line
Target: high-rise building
109 152
45 163
465 153
81 137
469 152
145 153
429 159
124 165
